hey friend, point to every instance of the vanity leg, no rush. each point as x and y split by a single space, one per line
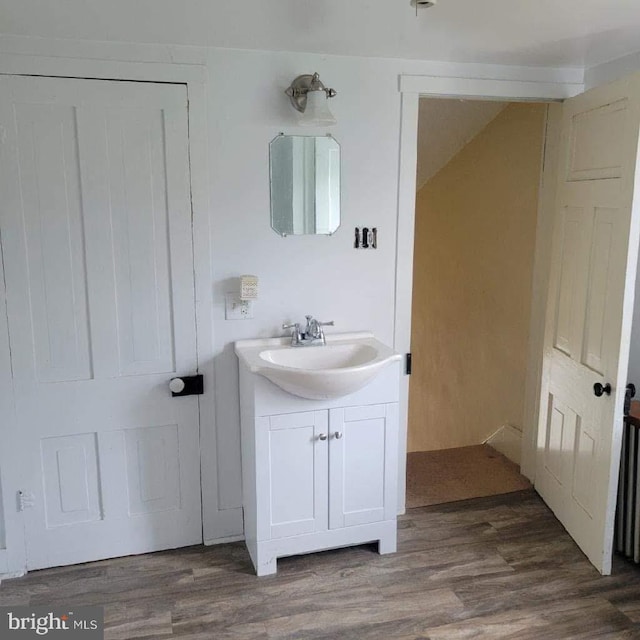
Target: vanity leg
388 544
266 566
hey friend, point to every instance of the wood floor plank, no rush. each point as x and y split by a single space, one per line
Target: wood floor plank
157 626
488 569
566 619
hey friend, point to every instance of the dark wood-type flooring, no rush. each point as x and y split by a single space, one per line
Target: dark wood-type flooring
434 477
490 568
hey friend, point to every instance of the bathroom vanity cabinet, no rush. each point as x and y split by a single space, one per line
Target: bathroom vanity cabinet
318 474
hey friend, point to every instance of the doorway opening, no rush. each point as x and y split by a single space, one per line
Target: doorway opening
478 180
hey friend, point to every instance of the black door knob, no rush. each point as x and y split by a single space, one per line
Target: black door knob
600 390
187 386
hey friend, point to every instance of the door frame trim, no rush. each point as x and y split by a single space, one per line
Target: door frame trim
217 523
412 88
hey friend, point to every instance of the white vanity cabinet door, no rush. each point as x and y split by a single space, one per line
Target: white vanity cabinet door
294 480
362 464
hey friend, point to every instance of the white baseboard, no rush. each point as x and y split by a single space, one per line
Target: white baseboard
508 441
209 543
14 574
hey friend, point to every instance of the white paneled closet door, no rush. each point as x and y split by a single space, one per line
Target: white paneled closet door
95 218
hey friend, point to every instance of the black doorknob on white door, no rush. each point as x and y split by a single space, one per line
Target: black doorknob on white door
600 390
187 385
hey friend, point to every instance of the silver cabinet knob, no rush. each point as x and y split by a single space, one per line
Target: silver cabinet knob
176 385
322 436
337 435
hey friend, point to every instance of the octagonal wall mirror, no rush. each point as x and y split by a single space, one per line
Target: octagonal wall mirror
305 185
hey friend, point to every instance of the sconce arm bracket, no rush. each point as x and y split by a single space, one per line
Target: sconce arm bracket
304 83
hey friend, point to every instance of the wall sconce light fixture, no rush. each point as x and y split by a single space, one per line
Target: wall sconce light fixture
309 96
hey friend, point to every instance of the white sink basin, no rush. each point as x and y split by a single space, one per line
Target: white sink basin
331 356
345 364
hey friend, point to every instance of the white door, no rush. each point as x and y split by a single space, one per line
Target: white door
292 473
589 314
362 464
95 222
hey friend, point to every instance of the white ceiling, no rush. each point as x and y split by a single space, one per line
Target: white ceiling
541 32
445 127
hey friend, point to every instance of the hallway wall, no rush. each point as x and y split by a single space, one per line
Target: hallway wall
474 247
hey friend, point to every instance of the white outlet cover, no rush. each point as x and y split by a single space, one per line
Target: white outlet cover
236 309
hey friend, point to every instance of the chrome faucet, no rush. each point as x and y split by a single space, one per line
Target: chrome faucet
312 336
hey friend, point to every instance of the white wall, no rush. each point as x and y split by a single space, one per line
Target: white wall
613 70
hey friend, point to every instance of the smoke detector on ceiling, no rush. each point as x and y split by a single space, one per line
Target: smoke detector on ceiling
423 4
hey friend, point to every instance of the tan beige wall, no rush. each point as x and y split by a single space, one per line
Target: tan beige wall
474 246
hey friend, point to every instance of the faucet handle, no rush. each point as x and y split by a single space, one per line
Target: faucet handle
296 334
318 331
